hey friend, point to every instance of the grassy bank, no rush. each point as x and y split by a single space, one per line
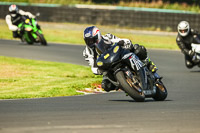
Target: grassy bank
23 78
73 34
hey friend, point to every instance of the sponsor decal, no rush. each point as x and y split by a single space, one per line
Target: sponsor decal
135 62
127 55
95 32
27 20
87 35
116 49
99 63
106 56
13 6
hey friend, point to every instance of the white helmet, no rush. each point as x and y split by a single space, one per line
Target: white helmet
183 28
13 10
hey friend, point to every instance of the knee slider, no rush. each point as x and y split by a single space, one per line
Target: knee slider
189 64
107 85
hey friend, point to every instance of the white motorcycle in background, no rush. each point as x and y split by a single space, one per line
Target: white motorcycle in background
196 57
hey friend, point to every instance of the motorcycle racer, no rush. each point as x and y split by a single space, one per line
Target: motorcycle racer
186 36
14 18
96 44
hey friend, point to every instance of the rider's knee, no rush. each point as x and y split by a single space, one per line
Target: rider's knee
107 85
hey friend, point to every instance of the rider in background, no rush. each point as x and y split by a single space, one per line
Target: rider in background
13 19
93 39
186 36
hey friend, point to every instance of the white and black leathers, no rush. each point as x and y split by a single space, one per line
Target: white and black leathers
91 54
13 21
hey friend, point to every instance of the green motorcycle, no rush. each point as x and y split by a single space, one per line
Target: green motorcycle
30 31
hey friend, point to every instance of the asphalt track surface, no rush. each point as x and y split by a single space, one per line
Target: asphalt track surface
109 112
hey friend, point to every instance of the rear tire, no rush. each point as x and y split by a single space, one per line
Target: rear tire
161 92
41 39
132 92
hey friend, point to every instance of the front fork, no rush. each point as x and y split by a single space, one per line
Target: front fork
36 28
139 68
148 80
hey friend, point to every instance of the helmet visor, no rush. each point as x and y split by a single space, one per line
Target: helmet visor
13 13
90 42
183 30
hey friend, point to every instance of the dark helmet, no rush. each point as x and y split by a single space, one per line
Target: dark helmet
13 10
92 36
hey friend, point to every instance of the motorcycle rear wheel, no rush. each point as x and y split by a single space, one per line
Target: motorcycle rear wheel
161 91
41 39
132 92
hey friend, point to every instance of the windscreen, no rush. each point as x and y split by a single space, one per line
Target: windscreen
103 47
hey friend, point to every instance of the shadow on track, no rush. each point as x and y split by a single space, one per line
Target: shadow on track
195 71
147 100
26 44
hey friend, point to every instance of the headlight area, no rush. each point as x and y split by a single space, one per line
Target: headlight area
28 29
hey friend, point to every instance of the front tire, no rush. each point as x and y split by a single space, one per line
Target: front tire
161 91
28 38
132 92
42 40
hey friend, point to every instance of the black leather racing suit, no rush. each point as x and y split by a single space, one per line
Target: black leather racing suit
184 44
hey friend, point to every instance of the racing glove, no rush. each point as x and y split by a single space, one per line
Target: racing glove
125 43
128 44
109 36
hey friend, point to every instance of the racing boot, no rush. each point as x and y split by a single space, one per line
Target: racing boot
150 65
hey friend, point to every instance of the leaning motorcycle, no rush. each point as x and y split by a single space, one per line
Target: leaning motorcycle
31 31
196 57
124 69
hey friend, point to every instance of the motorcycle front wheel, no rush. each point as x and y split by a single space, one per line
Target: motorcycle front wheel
161 91
42 40
128 88
28 38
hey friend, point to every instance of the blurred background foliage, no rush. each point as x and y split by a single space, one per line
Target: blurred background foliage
189 5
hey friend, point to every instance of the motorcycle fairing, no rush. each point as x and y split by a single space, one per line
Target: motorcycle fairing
109 58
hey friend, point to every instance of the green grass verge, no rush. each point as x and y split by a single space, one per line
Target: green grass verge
23 78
